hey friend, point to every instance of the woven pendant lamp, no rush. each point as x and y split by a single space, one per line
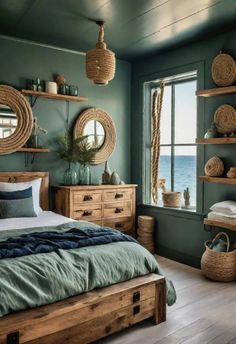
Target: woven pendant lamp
100 62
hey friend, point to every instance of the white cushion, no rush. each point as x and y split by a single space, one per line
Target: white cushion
36 184
225 207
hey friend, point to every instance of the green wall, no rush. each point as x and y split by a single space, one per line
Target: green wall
20 61
181 235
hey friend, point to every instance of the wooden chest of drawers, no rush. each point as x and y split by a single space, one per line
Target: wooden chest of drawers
106 205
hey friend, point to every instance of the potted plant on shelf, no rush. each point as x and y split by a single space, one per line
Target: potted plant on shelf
76 150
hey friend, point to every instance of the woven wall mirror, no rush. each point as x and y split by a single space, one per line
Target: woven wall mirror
16 120
101 132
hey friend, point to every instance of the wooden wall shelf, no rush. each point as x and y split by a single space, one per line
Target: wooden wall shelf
231 181
221 224
54 96
217 140
33 150
212 92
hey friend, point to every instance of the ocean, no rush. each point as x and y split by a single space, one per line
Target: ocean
185 174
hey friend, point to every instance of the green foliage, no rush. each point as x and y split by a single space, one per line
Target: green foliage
75 150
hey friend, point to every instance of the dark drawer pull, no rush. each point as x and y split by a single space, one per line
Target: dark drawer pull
118 225
136 309
13 338
119 210
136 296
119 195
87 213
88 198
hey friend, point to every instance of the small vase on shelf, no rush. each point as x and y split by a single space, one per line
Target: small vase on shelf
84 174
70 176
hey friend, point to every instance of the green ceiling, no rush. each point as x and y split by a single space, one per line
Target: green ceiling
133 27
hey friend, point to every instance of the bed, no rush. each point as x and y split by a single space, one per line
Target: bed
70 319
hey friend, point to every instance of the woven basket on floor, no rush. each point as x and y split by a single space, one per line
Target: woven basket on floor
146 232
223 70
219 266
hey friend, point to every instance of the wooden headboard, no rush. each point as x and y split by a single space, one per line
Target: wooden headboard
17 177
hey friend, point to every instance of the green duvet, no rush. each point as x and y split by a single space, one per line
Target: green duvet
40 279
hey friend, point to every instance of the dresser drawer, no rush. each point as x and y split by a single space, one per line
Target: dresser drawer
117 209
88 212
117 195
87 197
123 224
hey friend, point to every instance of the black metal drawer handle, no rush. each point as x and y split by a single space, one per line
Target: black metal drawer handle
119 210
87 213
118 225
136 309
88 198
119 195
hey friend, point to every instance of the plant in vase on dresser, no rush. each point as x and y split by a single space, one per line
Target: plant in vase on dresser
76 150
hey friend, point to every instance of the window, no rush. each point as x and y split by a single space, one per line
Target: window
178 133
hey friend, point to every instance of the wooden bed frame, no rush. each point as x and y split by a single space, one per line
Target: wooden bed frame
84 318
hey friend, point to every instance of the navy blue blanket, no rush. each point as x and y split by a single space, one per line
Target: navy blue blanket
45 242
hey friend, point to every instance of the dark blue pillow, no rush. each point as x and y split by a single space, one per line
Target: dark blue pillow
21 194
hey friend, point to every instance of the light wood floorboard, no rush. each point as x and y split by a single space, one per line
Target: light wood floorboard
205 312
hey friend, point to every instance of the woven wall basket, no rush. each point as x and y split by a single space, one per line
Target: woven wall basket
214 167
225 119
219 266
223 70
100 62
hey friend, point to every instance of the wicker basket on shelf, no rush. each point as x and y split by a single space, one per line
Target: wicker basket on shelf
171 199
214 167
223 70
146 232
219 266
225 119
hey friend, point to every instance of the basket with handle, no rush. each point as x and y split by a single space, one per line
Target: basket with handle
219 266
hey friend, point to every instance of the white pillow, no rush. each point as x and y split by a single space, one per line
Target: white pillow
225 207
36 184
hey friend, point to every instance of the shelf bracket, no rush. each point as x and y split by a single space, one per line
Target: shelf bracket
29 160
33 100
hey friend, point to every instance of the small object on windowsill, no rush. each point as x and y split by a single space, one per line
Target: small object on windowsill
171 199
186 195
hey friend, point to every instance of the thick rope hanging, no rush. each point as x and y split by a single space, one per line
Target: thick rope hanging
155 143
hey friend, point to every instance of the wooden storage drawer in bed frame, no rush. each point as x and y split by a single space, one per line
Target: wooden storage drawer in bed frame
106 205
71 320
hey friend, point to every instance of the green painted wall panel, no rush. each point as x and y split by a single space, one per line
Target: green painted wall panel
179 237
20 61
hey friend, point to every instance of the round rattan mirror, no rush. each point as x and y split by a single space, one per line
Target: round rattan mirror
101 132
16 120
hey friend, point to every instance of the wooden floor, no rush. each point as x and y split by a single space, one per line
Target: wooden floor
205 312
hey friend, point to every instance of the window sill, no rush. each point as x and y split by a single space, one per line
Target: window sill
176 212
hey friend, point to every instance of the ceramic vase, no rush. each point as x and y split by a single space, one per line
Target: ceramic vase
106 176
115 179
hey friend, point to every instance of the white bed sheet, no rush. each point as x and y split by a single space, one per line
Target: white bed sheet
46 218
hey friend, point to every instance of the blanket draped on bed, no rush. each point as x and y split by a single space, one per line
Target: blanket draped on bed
46 242
39 279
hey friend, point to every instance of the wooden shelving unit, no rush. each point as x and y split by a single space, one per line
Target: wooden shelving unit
217 140
221 224
231 181
54 96
33 150
212 92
